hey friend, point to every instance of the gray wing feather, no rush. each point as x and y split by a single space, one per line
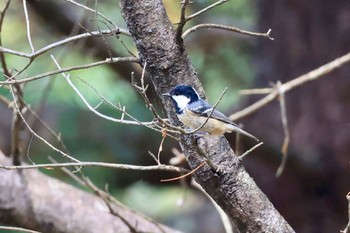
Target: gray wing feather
204 109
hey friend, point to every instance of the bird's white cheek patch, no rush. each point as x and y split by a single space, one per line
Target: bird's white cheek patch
181 101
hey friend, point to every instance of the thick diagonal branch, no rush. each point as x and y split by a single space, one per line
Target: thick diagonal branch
30 199
168 64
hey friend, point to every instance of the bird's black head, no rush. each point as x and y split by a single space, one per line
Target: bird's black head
186 91
182 95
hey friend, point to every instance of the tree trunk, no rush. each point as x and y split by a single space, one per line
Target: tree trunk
168 64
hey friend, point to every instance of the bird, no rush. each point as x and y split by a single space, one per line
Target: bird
193 112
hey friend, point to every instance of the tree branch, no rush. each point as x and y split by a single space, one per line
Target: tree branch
36 201
168 65
274 93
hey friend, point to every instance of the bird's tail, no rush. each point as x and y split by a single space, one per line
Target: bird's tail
241 131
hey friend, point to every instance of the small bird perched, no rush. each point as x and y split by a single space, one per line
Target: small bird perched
193 111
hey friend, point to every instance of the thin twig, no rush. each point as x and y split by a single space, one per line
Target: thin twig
92 108
284 149
187 174
34 133
224 217
310 76
259 91
157 119
28 26
347 228
183 20
227 28
17 229
211 112
206 9
160 149
79 67
250 150
92 10
160 167
109 32
2 56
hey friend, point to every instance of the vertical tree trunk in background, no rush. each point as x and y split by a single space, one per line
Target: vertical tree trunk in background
307 35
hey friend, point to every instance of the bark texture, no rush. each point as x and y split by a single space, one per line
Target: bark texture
168 64
33 200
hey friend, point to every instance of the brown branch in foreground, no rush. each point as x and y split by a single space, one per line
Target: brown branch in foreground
79 212
310 76
49 166
347 228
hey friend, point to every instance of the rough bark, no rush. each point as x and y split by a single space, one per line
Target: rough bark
168 64
30 199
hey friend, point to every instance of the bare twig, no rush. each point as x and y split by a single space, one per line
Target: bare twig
227 28
224 218
160 149
250 150
206 9
28 25
211 112
284 149
187 174
92 10
105 196
259 91
79 67
161 123
347 228
183 20
2 57
92 109
34 54
160 167
17 229
16 108
310 76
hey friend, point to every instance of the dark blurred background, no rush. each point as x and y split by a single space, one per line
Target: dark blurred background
310 194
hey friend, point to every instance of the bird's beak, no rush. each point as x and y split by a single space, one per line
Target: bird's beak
166 94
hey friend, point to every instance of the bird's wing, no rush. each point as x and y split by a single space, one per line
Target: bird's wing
204 109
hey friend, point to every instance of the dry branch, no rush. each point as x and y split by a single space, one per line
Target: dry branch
36 201
274 93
